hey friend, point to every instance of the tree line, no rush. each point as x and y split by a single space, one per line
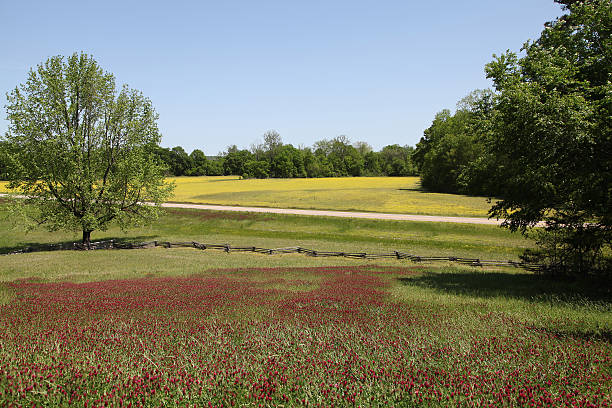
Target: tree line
540 141
272 158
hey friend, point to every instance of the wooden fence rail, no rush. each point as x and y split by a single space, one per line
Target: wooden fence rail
111 244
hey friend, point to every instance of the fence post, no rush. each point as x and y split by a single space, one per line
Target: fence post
227 247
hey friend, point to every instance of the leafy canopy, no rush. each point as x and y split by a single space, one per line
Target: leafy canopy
551 133
80 150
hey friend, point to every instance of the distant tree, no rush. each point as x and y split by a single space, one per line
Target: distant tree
451 156
363 148
271 142
180 162
372 164
552 137
445 162
354 162
397 160
481 174
256 169
258 151
198 162
312 164
214 167
234 161
446 148
176 160
344 158
440 127
163 156
287 162
80 150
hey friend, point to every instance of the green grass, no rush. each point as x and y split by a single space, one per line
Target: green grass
519 293
80 266
580 308
400 336
498 325
319 233
6 294
535 298
243 229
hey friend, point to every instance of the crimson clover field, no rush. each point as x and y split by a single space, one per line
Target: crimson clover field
184 327
311 336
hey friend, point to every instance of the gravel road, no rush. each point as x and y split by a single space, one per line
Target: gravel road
345 214
329 213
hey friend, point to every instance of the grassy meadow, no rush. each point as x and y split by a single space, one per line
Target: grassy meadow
184 327
377 194
319 233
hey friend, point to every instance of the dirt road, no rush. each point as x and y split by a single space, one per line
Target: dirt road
329 213
345 214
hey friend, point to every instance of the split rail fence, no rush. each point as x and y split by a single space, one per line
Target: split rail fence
111 244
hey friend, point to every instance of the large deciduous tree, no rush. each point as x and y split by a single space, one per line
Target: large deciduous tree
80 150
552 139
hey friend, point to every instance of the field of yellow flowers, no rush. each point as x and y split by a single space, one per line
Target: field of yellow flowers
379 194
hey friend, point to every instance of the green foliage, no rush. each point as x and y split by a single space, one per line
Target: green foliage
199 163
443 164
214 167
551 136
542 142
397 161
571 250
4 146
451 155
80 150
256 169
328 158
287 162
179 163
235 160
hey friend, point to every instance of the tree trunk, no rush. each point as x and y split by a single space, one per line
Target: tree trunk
87 239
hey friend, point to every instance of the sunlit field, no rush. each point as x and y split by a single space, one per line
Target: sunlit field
379 194
184 327
348 336
275 230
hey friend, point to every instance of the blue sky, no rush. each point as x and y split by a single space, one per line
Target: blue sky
224 72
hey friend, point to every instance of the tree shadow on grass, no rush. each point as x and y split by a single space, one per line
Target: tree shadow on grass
27 247
529 287
523 286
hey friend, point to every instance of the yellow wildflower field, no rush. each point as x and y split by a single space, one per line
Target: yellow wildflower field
378 194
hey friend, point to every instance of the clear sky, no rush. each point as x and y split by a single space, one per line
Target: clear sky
223 72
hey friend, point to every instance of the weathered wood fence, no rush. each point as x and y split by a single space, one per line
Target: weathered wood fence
111 244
